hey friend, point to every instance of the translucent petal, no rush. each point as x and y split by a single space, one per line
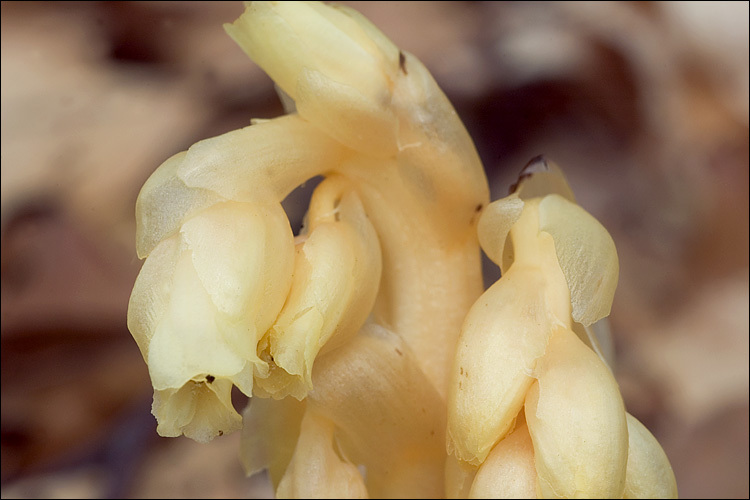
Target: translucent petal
576 419
270 429
649 473
541 177
199 410
504 333
336 278
164 203
285 37
389 416
316 470
459 476
494 225
587 257
150 296
264 161
187 342
244 256
509 470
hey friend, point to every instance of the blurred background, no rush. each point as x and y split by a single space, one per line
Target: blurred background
644 104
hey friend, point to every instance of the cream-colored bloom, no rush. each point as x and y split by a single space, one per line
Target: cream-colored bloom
378 367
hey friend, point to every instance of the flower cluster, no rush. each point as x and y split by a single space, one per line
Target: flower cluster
376 365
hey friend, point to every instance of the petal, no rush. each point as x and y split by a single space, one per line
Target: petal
316 470
459 476
150 296
336 278
389 416
509 470
199 410
187 342
586 254
649 473
576 418
541 177
326 62
264 161
495 224
285 37
503 335
270 429
164 203
244 256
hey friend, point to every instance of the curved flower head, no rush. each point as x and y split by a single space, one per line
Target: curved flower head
202 301
518 347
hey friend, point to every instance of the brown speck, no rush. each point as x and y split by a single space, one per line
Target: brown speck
461 370
479 208
399 352
402 62
432 432
337 217
221 433
210 378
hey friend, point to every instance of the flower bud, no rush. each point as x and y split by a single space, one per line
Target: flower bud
202 301
336 276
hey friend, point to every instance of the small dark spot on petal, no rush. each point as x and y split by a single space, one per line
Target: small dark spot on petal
402 62
479 208
221 433
210 378
399 352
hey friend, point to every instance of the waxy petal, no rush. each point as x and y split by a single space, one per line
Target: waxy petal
649 473
587 257
508 471
576 419
316 470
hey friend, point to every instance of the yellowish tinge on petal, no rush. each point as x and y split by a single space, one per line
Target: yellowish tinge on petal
389 417
586 254
576 419
503 335
508 471
316 470
270 429
649 474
